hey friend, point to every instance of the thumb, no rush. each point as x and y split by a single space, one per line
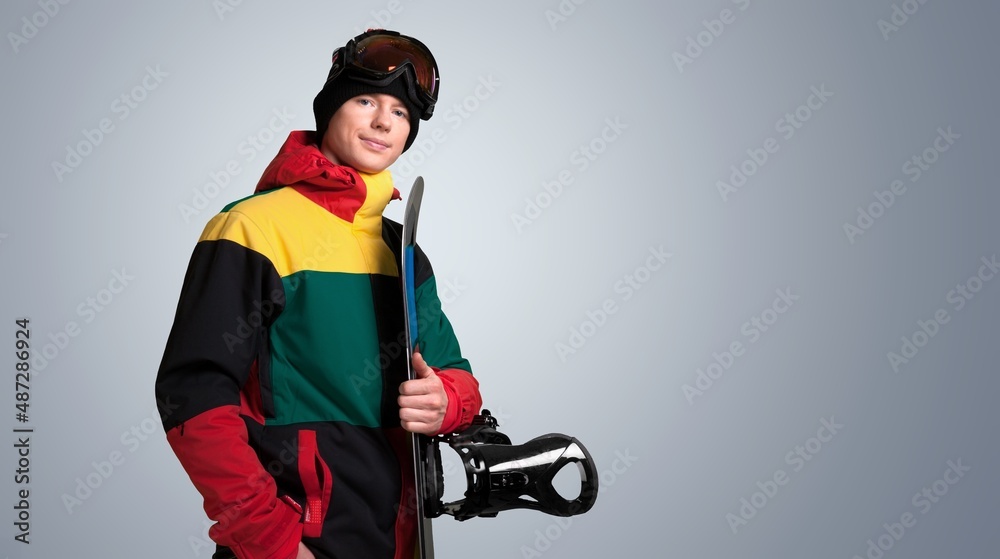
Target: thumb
420 367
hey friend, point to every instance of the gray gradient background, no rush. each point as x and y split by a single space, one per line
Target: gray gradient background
517 293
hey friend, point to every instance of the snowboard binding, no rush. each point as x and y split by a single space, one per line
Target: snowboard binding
502 476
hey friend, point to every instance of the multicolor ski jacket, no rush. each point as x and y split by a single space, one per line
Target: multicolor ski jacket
278 385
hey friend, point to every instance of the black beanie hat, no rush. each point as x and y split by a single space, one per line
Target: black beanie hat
337 91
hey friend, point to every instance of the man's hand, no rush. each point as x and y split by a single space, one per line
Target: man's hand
304 552
422 401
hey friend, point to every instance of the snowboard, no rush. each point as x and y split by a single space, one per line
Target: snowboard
421 443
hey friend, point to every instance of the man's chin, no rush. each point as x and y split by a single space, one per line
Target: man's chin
371 169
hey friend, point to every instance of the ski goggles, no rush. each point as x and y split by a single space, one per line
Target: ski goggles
377 57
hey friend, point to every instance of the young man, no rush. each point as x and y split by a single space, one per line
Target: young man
283 386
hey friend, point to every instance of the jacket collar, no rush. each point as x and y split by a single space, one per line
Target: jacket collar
343 191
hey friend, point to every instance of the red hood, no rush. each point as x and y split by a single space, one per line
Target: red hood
301 165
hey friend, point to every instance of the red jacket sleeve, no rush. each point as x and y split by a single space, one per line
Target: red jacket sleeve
464 400
239 494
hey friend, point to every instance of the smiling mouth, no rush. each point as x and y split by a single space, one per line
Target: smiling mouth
375 143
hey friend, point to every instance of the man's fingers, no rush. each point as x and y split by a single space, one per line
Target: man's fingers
421 401
416 415
416 387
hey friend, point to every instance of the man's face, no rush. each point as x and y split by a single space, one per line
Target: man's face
367 132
